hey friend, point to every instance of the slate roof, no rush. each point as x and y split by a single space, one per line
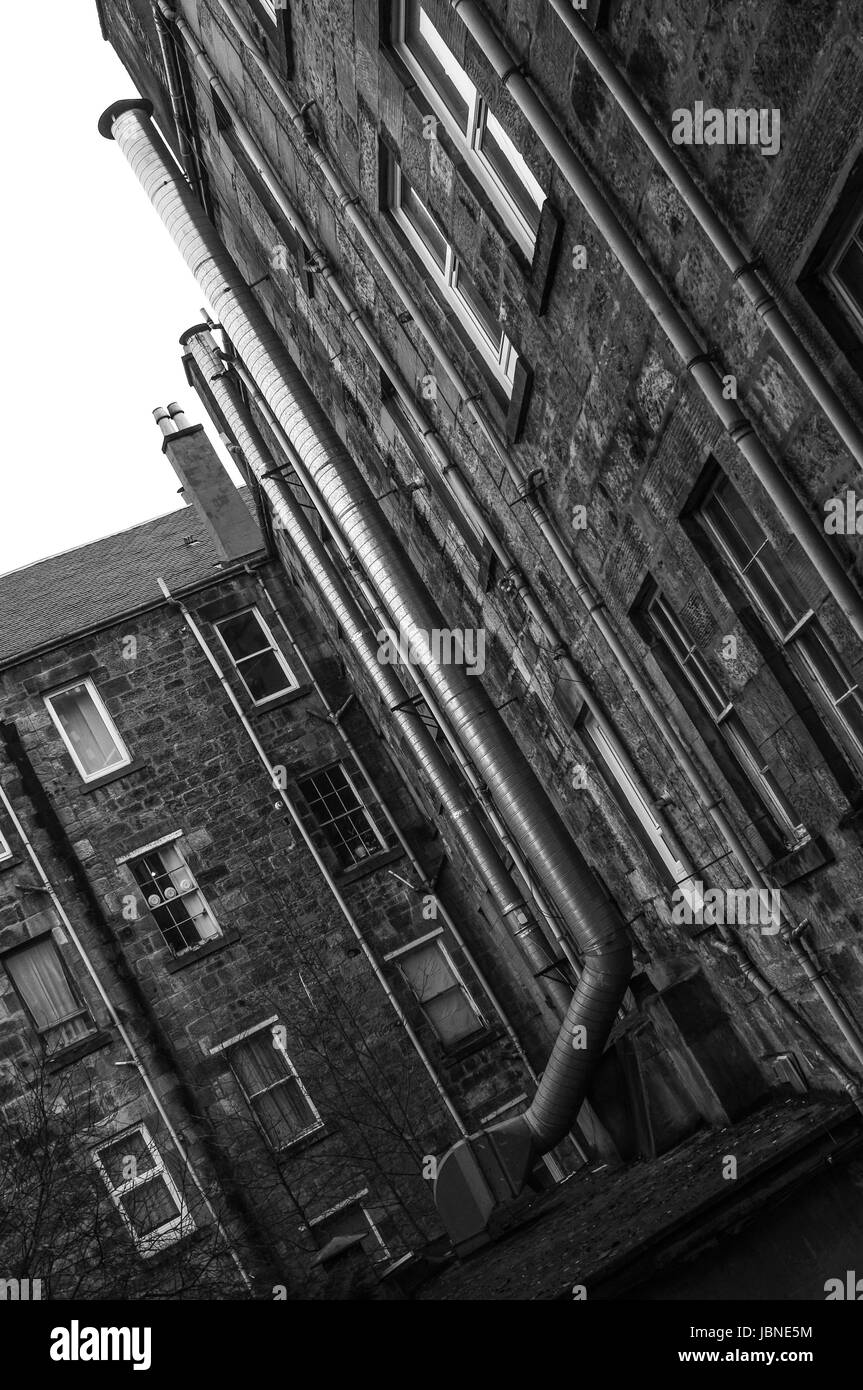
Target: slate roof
78 589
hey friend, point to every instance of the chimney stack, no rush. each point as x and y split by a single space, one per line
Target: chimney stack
206 485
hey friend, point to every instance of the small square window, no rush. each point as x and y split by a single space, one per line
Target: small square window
87 729
257 660
143 1191
171 893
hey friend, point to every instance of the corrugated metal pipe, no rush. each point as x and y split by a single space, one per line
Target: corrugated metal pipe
741 265
698 362
592 918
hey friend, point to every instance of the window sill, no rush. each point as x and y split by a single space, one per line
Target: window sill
369 866
800 862
210 948
11 863
125 771
476 1043
68 1056
305 1141
278 701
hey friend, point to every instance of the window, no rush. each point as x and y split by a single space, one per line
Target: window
5 851
339 813
87 729
614 765
352 1219
272 1088
445 1001
844 269
439 257
468 120
174 898
256 658
143 1191
691 663
753 560
41 983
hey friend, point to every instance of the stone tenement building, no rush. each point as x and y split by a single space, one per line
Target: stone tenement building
224 1001
540 323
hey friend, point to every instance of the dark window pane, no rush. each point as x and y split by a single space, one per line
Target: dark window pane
243 635
478 307
127 1159
149 1206
426 229
439 63
264 676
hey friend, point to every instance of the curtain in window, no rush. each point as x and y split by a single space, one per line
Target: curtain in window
274 1093
38 976
86 730
441 994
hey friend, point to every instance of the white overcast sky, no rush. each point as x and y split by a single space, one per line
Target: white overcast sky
94 299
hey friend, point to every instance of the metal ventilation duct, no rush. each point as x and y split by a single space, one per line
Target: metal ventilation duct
481 1171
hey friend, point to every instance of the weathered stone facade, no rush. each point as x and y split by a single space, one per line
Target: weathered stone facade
606 427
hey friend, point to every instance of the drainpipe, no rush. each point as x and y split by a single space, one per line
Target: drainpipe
698 362
739 264
424 886
125 1037
509 903
310 846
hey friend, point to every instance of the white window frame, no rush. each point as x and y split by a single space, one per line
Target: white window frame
271 645
170 841
500 357
469 142
179 1226
434 938
5 849
792 638
292 1072
102 711
384 846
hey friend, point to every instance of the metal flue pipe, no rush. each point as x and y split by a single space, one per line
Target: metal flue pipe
590 916
741 265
